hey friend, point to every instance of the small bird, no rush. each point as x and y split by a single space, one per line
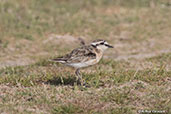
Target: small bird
84 56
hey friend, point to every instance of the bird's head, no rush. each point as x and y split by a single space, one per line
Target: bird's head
101 44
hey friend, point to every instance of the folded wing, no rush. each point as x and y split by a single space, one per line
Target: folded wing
82 54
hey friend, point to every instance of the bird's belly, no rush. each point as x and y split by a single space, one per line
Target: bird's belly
78 65
84 64
92 62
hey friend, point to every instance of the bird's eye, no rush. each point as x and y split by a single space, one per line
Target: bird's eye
102 43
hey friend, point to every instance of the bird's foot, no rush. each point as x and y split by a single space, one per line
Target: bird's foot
82 83
85 85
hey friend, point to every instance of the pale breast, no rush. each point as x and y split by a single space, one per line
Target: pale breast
94 61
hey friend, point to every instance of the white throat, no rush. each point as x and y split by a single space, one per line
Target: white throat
102 48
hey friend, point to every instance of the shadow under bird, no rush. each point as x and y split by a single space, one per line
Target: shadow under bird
84 56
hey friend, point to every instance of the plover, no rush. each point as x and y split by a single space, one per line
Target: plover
84 56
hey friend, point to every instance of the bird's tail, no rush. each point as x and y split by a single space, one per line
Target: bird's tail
59 60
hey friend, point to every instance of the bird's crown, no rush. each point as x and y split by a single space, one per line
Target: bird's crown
101 43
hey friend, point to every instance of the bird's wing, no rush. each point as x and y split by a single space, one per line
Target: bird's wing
81 54
61 59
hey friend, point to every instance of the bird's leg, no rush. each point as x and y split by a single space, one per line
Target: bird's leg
79 76
77 72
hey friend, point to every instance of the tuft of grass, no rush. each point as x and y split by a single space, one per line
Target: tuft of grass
67 109
117 96
122 110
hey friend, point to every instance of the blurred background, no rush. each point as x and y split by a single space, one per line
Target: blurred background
34 29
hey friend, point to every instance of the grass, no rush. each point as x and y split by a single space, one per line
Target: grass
45 70
41 82
135 75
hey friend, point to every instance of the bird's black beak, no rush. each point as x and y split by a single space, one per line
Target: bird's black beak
109 46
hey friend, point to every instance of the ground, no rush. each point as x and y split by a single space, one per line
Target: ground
135 75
